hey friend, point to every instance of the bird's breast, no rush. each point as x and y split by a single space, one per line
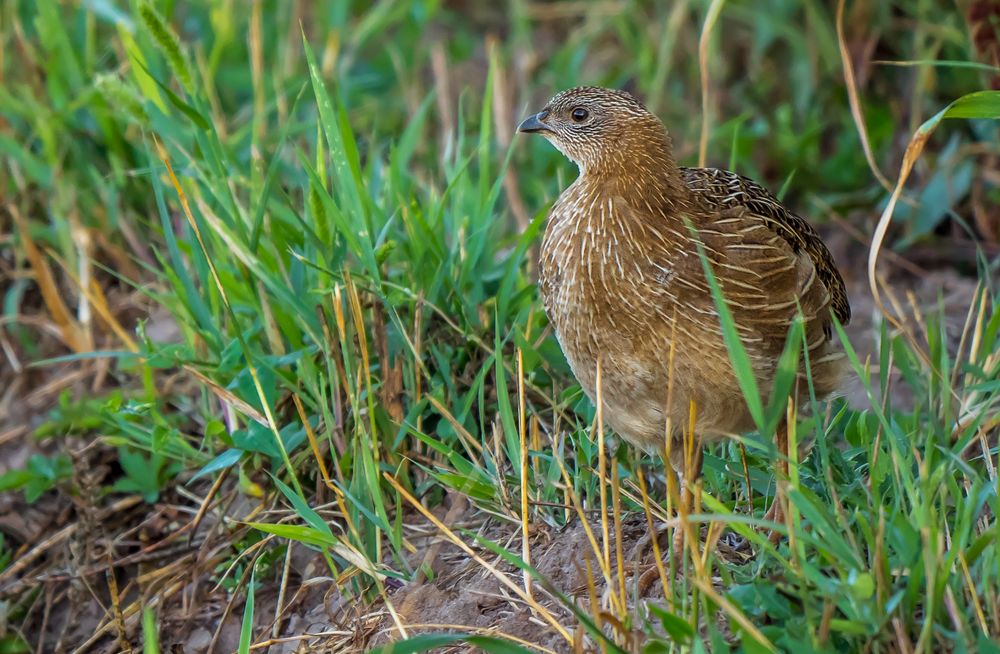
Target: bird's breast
605 296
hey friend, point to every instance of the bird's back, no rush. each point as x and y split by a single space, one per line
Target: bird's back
722 189
621 279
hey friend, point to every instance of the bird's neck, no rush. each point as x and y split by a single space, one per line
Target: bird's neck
642 170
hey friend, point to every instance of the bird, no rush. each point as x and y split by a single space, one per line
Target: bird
626 292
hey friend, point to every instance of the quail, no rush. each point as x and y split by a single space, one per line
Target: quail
625 288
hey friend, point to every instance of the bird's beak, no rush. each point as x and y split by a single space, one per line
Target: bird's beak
533 124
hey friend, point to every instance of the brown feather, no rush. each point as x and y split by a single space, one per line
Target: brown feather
621 278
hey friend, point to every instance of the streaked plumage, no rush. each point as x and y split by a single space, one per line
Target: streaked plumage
621 278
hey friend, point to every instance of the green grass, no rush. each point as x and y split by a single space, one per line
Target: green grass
357 327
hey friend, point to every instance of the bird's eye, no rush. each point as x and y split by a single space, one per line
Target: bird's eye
580 114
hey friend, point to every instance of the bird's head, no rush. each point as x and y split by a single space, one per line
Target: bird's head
601 130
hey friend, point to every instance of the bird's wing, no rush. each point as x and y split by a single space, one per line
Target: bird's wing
728 192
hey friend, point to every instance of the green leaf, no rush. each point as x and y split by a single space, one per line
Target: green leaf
179 103
142 474
246 629
981 104
225 460
140 69
14 479
862 584
510 432
12 644
657 646
298 533
751 645
272 169
943 63
679 629
986 645
848 627
32 166
344 160
150 635
785 375
303 509
41 474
